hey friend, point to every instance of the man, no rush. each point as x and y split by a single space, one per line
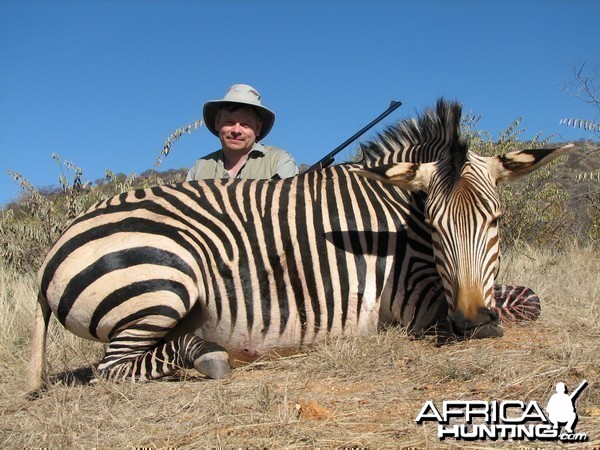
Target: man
561 408
239 121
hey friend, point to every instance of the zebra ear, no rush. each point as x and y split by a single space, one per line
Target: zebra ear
513 165
412 176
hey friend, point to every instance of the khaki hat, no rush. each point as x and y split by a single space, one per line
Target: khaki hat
246 95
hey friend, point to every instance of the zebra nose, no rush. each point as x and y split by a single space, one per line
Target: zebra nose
483 325
488 330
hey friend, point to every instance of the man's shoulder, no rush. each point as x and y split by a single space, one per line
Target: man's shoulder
214 156
281 161
205 167
274 151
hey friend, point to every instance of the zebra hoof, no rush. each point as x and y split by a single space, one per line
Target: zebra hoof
35 394
213 365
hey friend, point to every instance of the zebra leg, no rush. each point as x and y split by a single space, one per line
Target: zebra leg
515 303
124 359
38 355
431 319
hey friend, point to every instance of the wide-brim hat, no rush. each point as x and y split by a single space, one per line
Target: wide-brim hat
243 94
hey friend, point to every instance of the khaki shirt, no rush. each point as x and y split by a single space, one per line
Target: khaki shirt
263 162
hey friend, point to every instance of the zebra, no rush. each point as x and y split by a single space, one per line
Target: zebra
515 303
212 274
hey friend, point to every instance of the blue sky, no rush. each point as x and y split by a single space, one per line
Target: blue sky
103 83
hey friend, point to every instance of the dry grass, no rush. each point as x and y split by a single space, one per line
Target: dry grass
356 392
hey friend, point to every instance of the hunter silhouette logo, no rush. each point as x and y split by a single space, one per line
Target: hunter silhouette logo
509 419
561 406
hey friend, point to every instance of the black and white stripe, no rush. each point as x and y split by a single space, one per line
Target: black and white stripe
202 273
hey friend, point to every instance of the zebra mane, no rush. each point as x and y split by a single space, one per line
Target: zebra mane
431 136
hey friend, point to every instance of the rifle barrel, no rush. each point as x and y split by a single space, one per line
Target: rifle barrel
578 390
329 158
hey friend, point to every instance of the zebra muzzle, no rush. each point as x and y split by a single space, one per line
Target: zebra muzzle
483 325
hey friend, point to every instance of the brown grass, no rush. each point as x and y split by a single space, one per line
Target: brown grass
357 392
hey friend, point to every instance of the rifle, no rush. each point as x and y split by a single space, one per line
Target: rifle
578 390
328 159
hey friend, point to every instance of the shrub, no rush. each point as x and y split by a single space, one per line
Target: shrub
30 225
535 208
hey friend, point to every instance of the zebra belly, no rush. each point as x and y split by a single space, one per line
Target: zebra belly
246 344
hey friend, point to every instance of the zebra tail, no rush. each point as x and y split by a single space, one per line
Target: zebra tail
37 375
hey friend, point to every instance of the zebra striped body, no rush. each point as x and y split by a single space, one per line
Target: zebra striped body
253 290
201 274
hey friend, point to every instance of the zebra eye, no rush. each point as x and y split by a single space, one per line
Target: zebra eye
496 220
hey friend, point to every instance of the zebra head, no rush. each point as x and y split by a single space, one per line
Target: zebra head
462 206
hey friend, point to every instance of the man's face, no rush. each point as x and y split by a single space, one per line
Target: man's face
238 129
